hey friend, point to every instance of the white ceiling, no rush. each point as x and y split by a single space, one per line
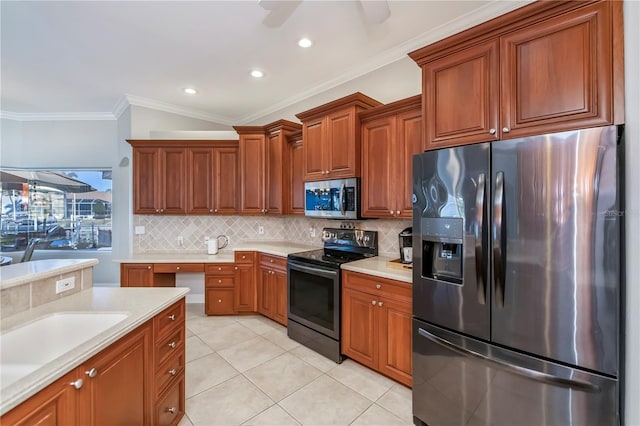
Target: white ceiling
95 57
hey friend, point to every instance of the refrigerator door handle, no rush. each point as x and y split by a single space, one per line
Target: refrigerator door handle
516 369
498 223
479 227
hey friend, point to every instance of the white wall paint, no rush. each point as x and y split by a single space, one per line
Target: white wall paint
632 216
10 137
145 120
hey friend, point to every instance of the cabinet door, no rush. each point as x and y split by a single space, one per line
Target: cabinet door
280 295
342 145
557 74
313 135
296 194
173 197
378 152
146 180
274 177
245 288
136 275
225 187
395 339
266 293
409 142
200 163
118 383
219 301
252 174
461 97
54 405
359 327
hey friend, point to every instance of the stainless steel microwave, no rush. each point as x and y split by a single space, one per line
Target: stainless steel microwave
333 199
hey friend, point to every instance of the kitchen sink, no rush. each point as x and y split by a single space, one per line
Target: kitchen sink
28 347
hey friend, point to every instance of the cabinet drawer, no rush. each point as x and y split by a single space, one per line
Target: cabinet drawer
245 256
274 262
178 267
173 368
219 281
169 319
377 285
170 408
219 269
219 301
170 346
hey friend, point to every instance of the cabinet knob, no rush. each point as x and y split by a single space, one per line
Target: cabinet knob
219 281
157 210
161 210
505 130
77 384
492 131
328 171
149 267
219 268
244 257
172 345
235 267
215 210
378 286
172 317
219 300
172 372
391 212
177 268
398 212
91 373
373 302
171 410
379 303
271 260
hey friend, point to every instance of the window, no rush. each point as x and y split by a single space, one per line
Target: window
64 209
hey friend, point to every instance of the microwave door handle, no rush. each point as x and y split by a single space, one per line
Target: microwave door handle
479 250
498 235
343 209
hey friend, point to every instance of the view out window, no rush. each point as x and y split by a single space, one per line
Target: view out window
64 209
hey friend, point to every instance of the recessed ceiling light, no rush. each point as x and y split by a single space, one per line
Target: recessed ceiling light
257 74
304 42
190 90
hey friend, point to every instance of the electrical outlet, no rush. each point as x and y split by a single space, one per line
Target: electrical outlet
139 230
65 284
312 232
180 241
260 229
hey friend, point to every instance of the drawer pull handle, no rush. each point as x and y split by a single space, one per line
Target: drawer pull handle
172 317
171 410
77 384
378 286
91 373
373 302
172 372
380 304
172 344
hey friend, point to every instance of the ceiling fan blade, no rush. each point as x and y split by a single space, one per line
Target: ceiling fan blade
279 11
376 10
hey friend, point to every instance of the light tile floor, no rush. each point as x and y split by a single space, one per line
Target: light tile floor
244 370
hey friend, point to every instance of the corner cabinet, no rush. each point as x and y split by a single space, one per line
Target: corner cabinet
391 135
177 177
376 324
546 67
331 135
263 167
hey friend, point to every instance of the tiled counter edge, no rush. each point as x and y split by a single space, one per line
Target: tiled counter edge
140 304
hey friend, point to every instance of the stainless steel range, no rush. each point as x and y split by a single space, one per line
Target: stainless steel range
314 288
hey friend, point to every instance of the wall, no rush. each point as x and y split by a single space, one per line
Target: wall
632 215
145 120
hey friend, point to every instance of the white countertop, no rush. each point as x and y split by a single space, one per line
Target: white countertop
141 304
378 266
277 248
25 272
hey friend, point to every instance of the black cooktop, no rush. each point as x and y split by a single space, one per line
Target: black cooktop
340 246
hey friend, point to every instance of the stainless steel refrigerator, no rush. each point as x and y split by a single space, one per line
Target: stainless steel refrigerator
518 281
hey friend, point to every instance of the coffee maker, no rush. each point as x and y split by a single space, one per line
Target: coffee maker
405 243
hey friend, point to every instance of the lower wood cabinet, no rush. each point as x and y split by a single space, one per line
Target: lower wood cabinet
136 275
245 281
121 385
376 324
219 289
272 287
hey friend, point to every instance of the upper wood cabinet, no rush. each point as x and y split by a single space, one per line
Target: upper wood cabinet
331 135
391 135
546 67
185 176
263 168
294 202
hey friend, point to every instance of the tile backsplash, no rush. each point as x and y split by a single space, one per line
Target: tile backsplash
162 232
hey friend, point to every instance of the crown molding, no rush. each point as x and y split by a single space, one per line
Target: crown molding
57 116
468 20
175 109
121 107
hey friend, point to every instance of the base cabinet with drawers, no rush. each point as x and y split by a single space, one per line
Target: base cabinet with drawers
219 287
376 324
123 384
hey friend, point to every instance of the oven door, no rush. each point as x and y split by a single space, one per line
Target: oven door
313 297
